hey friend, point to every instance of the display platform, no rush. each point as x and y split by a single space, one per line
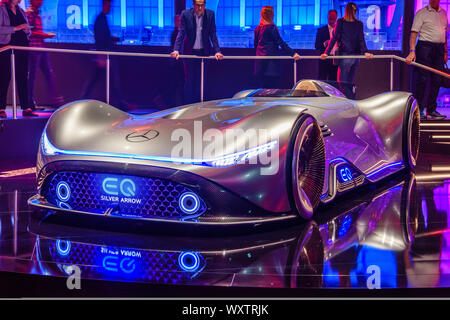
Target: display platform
398 230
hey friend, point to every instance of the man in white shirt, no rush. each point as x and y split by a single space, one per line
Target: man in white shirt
431 25
327 70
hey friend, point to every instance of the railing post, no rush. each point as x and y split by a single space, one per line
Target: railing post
202 79
295 72
13 87
391 79
108 70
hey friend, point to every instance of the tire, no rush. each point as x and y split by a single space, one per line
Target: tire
307 166
411 134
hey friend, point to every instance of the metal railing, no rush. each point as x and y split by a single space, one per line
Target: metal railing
108 54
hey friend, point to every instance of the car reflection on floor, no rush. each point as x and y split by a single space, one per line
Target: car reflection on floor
396 236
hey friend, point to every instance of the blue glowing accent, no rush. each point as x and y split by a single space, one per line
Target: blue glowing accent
63 191
128 265
64 205
222 161
346 174
128 188
111 263
112 186
338 159
189 203
63 247
395 164
345 226
189 261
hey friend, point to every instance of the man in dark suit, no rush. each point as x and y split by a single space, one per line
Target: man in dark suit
327 70
198 32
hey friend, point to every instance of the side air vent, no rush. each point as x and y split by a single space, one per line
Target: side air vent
326 132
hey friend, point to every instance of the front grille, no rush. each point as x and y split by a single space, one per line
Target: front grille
164 267
119 195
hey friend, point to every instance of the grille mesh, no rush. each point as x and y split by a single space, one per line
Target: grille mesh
153 197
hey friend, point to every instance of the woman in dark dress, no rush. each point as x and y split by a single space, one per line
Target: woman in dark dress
267 43
15 31
349 35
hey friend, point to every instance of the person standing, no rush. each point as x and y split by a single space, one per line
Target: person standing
104 41
40 60
15 31
267 43
198 32
327 69
176 94
431 25
349 35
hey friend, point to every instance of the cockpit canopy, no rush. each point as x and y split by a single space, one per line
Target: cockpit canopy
302 89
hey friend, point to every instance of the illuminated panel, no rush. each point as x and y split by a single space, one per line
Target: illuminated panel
345 174
120 195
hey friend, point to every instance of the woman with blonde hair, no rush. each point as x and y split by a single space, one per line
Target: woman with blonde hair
349 35
267 43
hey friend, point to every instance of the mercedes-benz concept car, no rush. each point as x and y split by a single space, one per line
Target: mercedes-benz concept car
263 155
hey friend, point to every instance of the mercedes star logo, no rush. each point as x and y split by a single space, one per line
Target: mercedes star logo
142 136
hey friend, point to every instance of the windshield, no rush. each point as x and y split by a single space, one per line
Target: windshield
307 89
276 93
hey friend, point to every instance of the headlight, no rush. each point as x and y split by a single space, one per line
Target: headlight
223 161
242 156
47 148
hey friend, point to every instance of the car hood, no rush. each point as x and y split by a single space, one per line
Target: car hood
95 126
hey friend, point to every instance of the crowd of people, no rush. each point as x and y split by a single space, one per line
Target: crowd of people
196 35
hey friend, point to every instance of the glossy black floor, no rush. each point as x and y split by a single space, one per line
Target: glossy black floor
393 236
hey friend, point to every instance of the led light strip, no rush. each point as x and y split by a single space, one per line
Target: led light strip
222 161
395 164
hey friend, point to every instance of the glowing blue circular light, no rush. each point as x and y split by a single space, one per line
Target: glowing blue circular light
189 261
189 203
63 247
63 191
64 205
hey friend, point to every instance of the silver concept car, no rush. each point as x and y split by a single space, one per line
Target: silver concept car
263 155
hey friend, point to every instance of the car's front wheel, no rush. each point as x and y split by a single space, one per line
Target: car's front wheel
307 169
411 134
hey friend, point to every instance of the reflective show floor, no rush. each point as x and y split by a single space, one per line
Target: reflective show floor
393 236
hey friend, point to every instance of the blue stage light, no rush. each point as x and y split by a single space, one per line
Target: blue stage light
189 203
63 191
189 261
63 247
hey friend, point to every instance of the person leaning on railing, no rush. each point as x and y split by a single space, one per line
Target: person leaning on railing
196 36
431 24
349 35
267 43
15 31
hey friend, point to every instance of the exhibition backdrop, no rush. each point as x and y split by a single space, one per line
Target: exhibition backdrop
151 22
